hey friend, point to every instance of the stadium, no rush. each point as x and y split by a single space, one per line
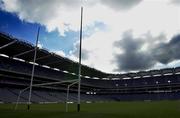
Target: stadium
131 52
96 86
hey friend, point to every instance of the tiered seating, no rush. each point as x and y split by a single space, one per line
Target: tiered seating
16 74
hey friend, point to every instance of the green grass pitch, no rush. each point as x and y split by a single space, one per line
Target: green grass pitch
162 109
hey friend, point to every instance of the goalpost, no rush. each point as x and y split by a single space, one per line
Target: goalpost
79 74
67 96
33 68
49 83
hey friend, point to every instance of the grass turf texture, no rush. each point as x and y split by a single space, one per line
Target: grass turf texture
162 109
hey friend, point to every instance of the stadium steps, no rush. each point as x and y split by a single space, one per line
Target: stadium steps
56 96
22 98
42 99
61 96
46 95
73 97
6 96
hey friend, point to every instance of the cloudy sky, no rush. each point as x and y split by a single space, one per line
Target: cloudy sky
118 35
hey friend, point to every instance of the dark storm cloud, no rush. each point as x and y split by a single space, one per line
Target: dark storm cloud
167 52
132 57
120 4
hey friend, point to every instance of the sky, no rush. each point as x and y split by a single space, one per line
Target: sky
118 35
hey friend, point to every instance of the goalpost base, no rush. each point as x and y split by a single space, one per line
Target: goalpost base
78 107
28 107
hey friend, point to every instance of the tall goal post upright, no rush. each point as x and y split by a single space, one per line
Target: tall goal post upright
79 75
33 68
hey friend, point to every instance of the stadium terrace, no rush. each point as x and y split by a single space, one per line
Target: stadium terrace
15 71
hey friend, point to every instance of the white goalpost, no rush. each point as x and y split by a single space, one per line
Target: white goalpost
79 74
67 96
33 69
43 84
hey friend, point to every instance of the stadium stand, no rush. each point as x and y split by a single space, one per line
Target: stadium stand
16 65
